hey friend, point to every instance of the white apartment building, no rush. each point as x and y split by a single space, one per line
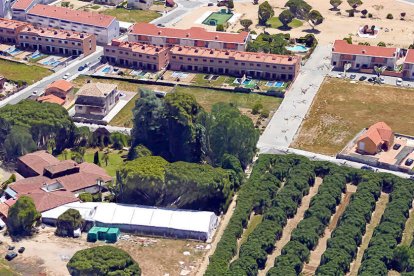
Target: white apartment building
104 27
408 66
192 37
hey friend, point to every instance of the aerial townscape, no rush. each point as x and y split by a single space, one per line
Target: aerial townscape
207 137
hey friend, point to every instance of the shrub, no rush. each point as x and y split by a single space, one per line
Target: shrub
369 15
68 222
256 108
389 16
381 44
220 28
86 197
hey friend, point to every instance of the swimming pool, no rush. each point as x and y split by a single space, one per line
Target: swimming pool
297 48
106 69
179 75
275 84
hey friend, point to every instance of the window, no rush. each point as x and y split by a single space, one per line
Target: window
180 58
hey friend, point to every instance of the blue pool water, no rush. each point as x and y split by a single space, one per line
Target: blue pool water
297 48
106 70
275 84
246 82
33 56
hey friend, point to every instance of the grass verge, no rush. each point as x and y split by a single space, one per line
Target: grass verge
134 16
17 71
274 22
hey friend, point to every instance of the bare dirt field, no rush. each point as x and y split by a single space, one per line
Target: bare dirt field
341 109
335 26
47 254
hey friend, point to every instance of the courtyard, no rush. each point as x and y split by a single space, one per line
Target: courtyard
341 109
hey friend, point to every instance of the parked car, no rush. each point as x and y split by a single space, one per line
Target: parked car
399 81
409 162
21 250
367 168
66 76
371 79
396 146
382 80
352 76
34 92
10 256
340 76
81 68
11 247
362 78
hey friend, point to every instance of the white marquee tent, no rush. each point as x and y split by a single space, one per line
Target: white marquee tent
142 219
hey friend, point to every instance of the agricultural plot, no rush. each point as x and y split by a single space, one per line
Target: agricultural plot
317 219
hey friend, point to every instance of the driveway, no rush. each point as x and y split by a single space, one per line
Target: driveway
286 121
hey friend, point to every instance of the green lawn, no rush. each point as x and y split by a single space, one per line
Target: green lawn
115 159
274 22
132 15
199 80
124 117
208 97
253 223
218 17
17 71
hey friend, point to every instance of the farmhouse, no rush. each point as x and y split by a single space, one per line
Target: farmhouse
378 137
408 67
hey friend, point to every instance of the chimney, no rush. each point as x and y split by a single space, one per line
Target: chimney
363 51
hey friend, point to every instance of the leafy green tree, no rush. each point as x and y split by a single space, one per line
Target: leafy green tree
265 13
230 4
274 44
83 137
119 140
348 39
315 18
169 127
335 4
381 44
246 23
86 197
138 151
105 157
45 122
299 8
96 158
286 17
220 28
355 3
153 181
22 216
68 222
229 131
18 142
103 260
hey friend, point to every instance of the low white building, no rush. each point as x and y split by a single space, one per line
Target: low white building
145 220
104 27
140 4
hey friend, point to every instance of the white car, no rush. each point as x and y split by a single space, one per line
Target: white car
399 81
66 76
352 76
382 80
339 76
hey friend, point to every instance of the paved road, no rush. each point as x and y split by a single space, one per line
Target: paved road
183 7
93 127
284 124
39 86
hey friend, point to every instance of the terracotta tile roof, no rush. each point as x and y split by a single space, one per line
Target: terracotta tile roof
137 47
195 33
51 99
410 56
22 4
30 184
38 160
79 181
11 24
98 89
55 33
4 209
342 47
236 55
48 200
61 85
61 166
83 17
378 133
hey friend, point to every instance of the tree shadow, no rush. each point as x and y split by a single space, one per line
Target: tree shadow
284 28
312 31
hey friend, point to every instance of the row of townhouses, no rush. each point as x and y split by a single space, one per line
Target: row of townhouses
46 40
367 57
204 60
195 37
104 27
